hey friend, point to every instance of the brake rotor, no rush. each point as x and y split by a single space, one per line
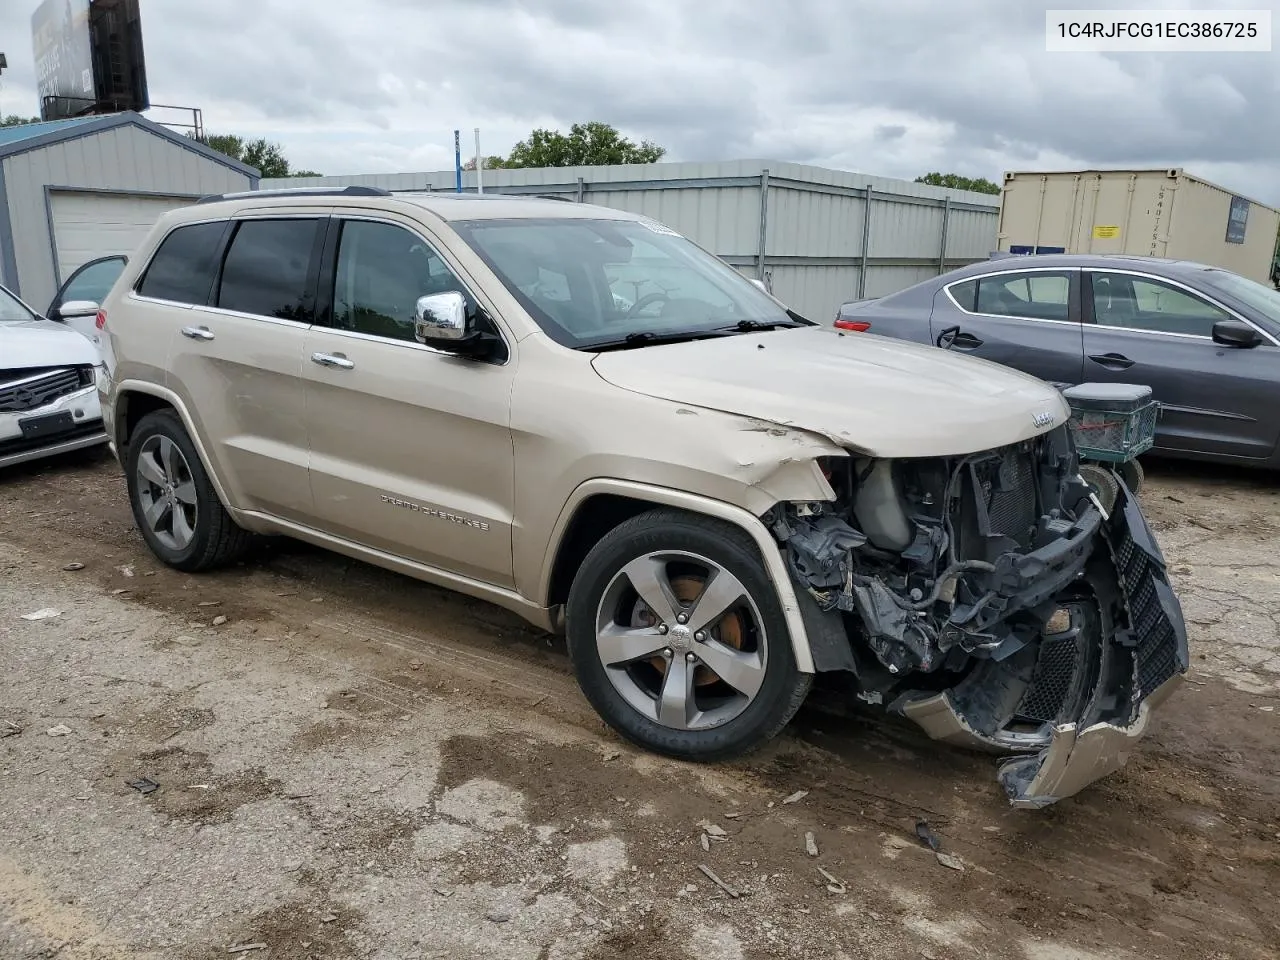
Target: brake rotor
729 630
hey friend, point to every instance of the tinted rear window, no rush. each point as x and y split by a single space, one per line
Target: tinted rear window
265 272
184 266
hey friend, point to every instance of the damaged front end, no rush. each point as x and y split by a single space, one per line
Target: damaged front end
990 599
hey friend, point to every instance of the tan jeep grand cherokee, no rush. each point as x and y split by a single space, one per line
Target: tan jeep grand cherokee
580 415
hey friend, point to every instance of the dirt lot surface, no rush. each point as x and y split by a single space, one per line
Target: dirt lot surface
355 765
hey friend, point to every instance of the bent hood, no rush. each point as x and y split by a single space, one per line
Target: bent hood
886 398
43 343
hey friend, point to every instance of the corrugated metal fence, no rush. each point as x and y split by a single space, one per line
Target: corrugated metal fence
817 237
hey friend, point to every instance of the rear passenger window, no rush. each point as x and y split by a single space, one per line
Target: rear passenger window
1035 296
265 270
183 268
964 293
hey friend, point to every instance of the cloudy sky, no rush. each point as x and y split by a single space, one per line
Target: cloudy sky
888 87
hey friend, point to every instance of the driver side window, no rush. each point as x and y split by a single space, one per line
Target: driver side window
382 270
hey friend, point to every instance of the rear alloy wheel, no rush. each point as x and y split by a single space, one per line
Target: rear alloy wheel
174 503
678 639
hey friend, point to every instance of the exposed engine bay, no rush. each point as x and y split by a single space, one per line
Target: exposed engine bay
992 600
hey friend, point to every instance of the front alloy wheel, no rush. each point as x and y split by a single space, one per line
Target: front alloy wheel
678 638
681 640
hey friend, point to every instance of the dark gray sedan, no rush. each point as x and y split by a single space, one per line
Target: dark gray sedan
1207 341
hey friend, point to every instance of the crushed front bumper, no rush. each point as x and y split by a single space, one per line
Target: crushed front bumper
1147 656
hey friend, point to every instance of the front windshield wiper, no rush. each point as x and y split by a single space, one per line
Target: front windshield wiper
645 338
751 326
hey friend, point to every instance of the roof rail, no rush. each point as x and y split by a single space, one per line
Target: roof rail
349 191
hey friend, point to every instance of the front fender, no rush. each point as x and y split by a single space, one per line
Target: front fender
774 564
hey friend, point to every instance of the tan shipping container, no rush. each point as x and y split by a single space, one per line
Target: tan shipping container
1149 213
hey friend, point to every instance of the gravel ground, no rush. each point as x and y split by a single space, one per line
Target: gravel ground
355 765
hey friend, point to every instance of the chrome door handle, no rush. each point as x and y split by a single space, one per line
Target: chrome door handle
197 333
333 360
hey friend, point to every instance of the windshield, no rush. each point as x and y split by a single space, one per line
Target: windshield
590 283
11 308
1261 299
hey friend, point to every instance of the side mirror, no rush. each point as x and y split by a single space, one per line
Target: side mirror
76 308
440 318
1235 333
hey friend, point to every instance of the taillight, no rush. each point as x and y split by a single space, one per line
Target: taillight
858 326
101 321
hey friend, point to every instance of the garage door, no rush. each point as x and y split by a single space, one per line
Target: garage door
91 225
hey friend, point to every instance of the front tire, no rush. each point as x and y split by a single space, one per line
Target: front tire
678 638
174 503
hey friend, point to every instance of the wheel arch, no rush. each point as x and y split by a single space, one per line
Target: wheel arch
134 399
597 506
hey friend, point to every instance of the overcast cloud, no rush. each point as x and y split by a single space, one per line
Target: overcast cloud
888 87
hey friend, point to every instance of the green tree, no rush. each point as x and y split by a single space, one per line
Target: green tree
16 121
585 145
956 182
261 153
490 163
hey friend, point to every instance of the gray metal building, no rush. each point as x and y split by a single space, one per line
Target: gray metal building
75 190
816 236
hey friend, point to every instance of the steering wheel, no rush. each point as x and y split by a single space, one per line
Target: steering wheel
644 301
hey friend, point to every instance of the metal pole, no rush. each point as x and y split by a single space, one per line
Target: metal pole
942 247
457 157
866 242
582 188
764 223
479 165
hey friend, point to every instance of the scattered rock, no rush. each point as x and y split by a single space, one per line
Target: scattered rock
246 947
416 664
8 729
328 918
125 570
712 830
209 603
119 590
219 620
441 892
73 566
797 796
950 862
926 834
61 730
144 785
706 844
810 844
612 755
45 613
497 916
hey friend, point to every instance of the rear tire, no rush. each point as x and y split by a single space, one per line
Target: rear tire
1102 482
174 504
1133 475
686 682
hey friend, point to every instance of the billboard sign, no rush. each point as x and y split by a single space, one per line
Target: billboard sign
63 58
